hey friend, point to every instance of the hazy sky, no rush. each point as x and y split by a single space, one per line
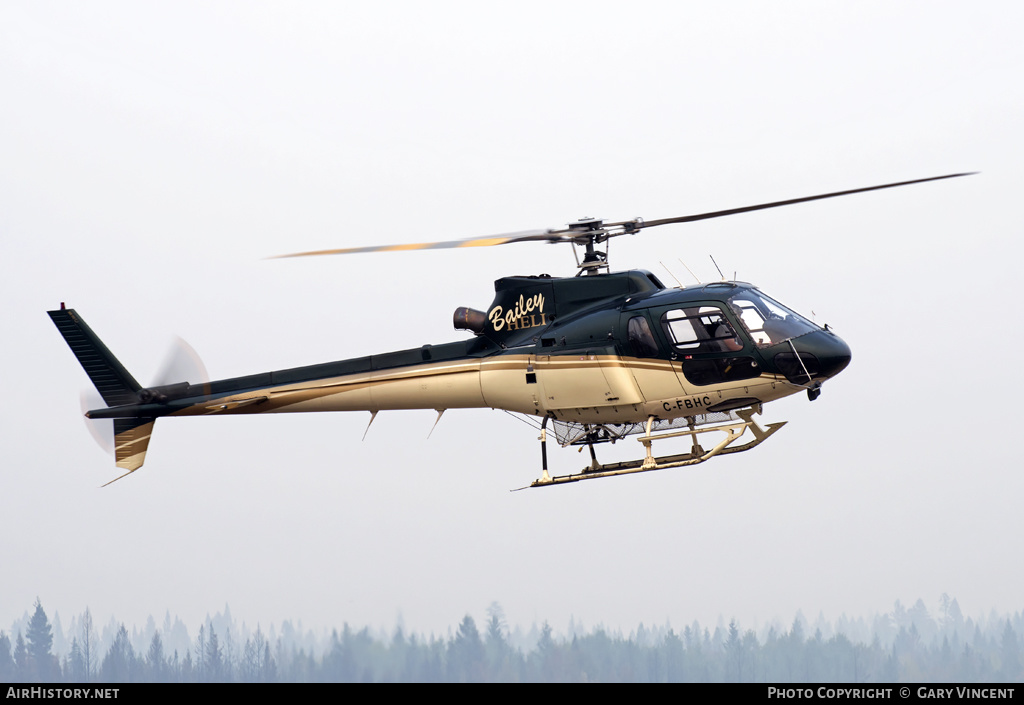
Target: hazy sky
153 154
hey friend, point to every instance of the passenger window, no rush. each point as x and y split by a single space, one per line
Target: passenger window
701 330
641 339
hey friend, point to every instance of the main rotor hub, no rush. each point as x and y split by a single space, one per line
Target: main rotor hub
588 231
587 224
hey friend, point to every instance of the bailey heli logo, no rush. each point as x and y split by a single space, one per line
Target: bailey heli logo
527 313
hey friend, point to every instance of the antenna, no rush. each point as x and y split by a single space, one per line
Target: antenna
373 415
671 274
689 270
716 266
440 412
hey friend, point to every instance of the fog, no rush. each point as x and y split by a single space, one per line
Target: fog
152 156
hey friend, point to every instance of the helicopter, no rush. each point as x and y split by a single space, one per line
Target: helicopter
598 357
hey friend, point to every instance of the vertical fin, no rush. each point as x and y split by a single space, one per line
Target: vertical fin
114 383
131 440
108 375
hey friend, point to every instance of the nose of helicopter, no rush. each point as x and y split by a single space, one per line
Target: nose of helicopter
822 355
831 352
834 354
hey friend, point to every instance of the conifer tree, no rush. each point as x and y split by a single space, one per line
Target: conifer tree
466 657
6 660
734 654
214 658
1010 667
75 667
40 643
22 670
119 664
156 662
496 645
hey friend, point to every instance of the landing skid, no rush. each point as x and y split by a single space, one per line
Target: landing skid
732 430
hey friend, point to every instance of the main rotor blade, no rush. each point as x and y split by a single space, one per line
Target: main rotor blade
776 204
503 239
593 231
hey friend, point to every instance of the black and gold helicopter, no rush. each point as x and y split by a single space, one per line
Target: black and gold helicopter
600 356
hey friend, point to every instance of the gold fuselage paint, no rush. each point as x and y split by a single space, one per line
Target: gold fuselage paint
585 388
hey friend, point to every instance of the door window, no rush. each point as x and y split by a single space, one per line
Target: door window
703 329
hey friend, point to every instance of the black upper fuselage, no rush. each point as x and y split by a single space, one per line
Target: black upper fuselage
711 334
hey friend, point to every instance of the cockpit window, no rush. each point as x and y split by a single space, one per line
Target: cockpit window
768 321
701 329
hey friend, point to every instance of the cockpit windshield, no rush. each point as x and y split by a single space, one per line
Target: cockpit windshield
768 321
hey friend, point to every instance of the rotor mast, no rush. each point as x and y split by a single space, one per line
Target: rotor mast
588 232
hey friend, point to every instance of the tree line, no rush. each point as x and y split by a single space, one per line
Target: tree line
903 645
